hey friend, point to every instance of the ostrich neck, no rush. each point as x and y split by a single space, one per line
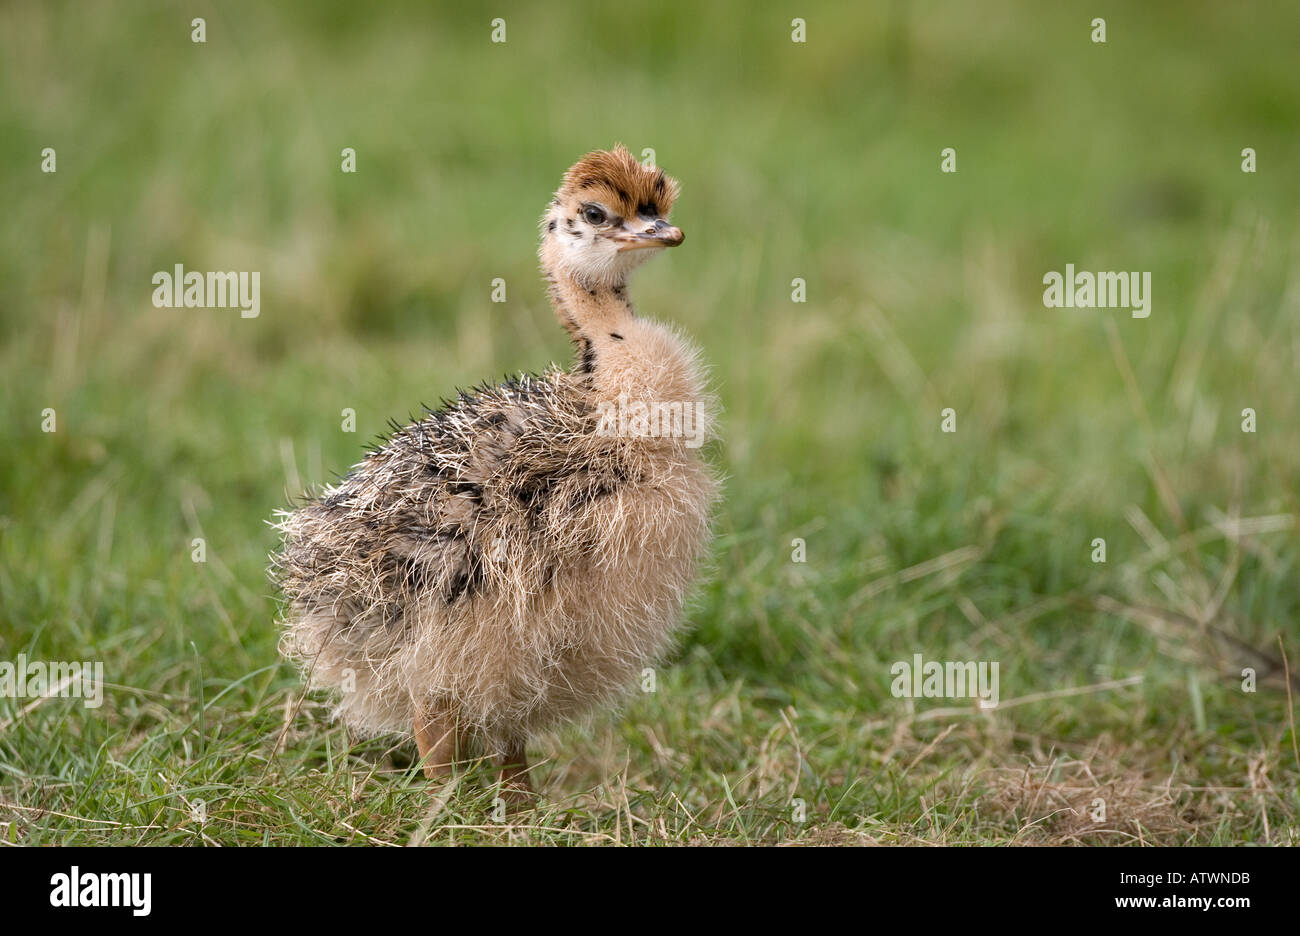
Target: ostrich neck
619 354
594 314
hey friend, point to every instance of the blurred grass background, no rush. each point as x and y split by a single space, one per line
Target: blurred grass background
817 160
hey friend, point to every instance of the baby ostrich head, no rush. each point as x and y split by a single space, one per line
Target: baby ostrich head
609 216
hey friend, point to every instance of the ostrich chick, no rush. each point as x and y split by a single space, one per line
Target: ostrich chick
515 559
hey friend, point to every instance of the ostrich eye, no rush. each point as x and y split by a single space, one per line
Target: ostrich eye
593 215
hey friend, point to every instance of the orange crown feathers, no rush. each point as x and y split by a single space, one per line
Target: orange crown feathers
623 184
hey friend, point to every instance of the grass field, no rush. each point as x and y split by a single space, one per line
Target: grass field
1120 682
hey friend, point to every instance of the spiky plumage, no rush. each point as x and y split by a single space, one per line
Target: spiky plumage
508 562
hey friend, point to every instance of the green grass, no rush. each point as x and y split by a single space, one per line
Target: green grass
818 161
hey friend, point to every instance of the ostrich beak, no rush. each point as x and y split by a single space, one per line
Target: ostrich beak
649 234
